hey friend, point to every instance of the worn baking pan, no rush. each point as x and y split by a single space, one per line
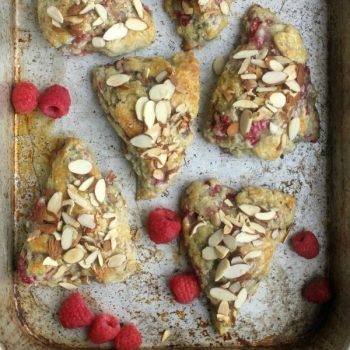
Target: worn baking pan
318 175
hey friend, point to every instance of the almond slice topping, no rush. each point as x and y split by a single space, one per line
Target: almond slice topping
55 14
245 104
80 167
98 42
67 237
275 65
100 190
136 24
274 78
69 220
224 308
258 62
73 256
244 54
101 11
221 251
236 271
209 253
241 298
87 220
218 65
78 199
92 257
246 237
230 242
278 99
224 7
139 107
161 76
293 128
252 255
60 272
257 227
86 184
117 80
267 216
245 123
235 287
158 92
68 286
236 260
86 9
266 88
215 238
138 7
163 109
116 260
142 141
222 294
249 209
291 71
158 175
55 203
115 32
149 114
50 262
224 264
97 22
293 85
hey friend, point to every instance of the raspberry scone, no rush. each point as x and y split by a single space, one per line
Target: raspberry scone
264 101
107 26
198 21
231 238
151 103
79 228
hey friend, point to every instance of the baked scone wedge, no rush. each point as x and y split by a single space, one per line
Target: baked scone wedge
79 229
198 21
151 103
264 101
231 238
107 26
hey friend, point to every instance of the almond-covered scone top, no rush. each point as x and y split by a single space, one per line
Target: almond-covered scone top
79 229
151 103
198 21
231 238
107 26
264 101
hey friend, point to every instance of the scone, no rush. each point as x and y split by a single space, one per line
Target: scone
79 229
107 26
198 21
264 101
151 103
231 238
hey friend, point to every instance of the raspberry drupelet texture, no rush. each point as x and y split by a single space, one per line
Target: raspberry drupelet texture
24 97
318 291
306 244
104 328
185 287
129 338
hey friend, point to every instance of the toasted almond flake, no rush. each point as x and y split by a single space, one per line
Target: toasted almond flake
224 264
136 24
223 308
86 184
101 11
257 243
275 65
209 253
84 265
293 128
115 32
55 24
78 199
154 132
142 141
68 286
245 54
274 128
245 123
224 7
236 260
249 209
87 220
69 220
230 242
55 203
203 2
246 227
267 216
158 92
275 234
117 80
283 142
77 183
221 294
257 227
116 260
278 99
227 229
283 60
228 203
263 53
218 65
138 7
60 272
235 287
181 108
274 78
93 200
55 14
139 107
246 238
252 255
266 88
67 237
248 76
236 271
90 248
223 318
258 62
225 285
97 22
87 8
293 85
98 42
166 334
197 226
215 238
80 167
50 262
291 71
91 258
113 224
57 236
245 104
73 256
170 89
221 251
113 243
100 190
158 174
59 225
188 10
241 298
161 76
100 258
149 114
88 239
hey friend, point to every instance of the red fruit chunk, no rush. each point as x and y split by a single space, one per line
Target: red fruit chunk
55 101
256 130
129 338
24 97
254 25
306 244
22 271
74 313
318 291
185 287
163 225
185 20
104 328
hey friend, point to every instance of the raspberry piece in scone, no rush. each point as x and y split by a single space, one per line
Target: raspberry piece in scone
24 97
104 328
185 287
163 225
74 313
318 291
55 101
129 338
306 244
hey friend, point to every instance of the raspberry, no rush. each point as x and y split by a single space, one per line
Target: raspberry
129 338
104 328
74 313
55 101
318 291
185 287
25 97
21 265
306 244
256 130
163 225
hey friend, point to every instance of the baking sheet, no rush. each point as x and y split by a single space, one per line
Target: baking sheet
277 311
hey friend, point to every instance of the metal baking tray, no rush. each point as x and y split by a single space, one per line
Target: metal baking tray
317 174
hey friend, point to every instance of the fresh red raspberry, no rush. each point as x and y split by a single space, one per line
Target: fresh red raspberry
129 338
25 97
256 130
318 291
22 271
185 287
104 328
55 101
74 313
306 244
163 225
254 25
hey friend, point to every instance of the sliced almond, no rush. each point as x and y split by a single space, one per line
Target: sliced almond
100 190
270 107
249 209
230 242
138 7
291 71
161 76
149 114
293 128
274 128
274 78
283 60
55 14
197 226
154 132
266 216
222 294
158 92
244 65
266 88
293 85
188 10
224 308
101 11
181 108
93 200
257 243
236 260
245 104
248 76
275 234
158 175
263 53
91 258
116 260
236 271
166 334
60 272
68 286
73 256
283 142
245 53
115 32
245 123
136 24
241 298
246 227
235 287
56 24
87 9
69 220
54 205
78 199
50 262
117 80
163 109
225 8
80 167
257 227
97 22
278 99
142 141
86 184
139 107
218 65
275 65
258 62
246 238
224 264
209 253
221 251
215 238
87 220
67 237
252 255
223 318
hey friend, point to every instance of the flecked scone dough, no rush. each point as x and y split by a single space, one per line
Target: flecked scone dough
264 101
231 238
151 103
198 21
79 228
107 26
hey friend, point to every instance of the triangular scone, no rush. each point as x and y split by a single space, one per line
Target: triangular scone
231 238
264 101
110 27
79 228
198 21
151 103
